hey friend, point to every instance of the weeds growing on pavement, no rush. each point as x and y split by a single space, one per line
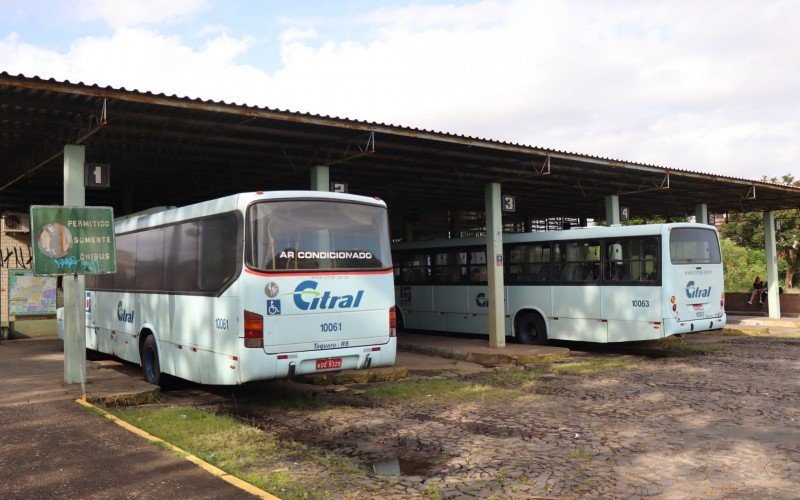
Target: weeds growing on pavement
580 454
431 490
436 391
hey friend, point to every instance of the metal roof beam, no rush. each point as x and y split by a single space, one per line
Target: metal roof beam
42 154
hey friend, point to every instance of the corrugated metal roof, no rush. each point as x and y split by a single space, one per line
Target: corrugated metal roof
191 149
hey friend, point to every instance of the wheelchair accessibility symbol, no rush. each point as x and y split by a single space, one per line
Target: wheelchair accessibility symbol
273 307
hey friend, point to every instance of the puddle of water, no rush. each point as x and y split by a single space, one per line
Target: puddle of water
398 467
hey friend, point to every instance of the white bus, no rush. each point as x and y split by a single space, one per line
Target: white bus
604 284
253 286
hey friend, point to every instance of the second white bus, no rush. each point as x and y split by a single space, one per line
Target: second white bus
604 284
252 286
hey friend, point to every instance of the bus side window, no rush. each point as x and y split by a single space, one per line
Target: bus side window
217 258
180 255
125 276
559 266
477 266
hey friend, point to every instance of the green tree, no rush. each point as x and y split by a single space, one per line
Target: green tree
747 230
741 265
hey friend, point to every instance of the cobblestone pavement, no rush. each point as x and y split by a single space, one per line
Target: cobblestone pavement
722 424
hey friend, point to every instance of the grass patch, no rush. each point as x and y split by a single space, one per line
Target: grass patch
786 335
758 331
588 366
519 379
284 468
437 391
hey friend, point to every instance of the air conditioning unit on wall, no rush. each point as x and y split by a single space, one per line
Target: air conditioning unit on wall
17 223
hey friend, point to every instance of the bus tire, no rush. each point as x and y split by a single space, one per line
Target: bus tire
529 329
151 367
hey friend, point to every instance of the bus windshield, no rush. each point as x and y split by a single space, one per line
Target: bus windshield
694 246
316 234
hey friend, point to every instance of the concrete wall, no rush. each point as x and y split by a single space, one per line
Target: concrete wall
736 303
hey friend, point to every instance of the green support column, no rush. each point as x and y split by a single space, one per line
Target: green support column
773 287
320 178
74 301
612 210
701 213
494 265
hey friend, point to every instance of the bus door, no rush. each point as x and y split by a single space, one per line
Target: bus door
473 316
448 273
415 295
632 295
576 293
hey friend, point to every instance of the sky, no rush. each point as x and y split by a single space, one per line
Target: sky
711 86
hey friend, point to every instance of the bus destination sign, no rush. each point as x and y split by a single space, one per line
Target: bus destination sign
72 240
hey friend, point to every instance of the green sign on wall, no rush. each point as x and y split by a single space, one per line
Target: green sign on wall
72 240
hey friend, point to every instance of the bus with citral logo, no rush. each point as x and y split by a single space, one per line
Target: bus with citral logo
253 286
602 284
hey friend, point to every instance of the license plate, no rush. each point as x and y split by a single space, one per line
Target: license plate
329 364
698 307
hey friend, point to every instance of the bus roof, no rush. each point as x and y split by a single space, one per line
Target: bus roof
565 235
164 215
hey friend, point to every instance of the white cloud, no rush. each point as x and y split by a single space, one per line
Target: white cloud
122 13
294 34
137 58
710 86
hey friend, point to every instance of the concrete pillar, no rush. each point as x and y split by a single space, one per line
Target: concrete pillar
494 265
320 178
773 287
74 299
612 210
701 213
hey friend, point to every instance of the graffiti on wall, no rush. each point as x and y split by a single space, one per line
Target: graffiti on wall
19 257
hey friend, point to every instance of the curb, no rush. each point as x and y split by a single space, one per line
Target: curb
216 471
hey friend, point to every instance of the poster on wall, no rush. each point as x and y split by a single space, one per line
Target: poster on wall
30 295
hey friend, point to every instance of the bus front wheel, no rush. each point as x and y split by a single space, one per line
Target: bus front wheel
150 364
530 329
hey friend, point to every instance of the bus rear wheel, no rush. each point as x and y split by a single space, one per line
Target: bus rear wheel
530 329
150 363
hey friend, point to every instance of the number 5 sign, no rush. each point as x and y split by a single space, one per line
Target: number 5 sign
97 175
